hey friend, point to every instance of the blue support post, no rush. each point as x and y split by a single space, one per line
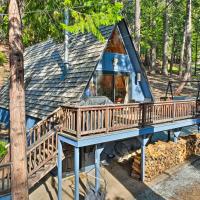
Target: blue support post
143 141
76 172
59 169
98 151
176 135
142 162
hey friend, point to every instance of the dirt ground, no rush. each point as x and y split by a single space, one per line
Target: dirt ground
159 84
179 183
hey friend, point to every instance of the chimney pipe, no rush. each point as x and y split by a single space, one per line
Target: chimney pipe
66 43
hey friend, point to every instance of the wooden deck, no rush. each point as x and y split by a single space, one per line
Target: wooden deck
89 120
79 121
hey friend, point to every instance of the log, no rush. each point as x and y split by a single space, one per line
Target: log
165 155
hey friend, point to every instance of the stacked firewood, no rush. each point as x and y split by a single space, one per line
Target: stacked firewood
193 143
164 155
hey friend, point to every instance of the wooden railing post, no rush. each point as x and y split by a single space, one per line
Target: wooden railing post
143 114
107 119
174 111
78 122
61 118
197 107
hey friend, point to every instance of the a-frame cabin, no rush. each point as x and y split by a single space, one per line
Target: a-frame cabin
102 97
106 72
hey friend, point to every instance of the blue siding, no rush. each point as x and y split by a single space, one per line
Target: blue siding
138 92
135 59
30 122
5 118
6 197
123 64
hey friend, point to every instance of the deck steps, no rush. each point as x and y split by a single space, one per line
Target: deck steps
41 159
43 171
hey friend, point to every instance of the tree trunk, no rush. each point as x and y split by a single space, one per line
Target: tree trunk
147 61
153 58
182 54
172 54
196 53
165 41
188 46
137 25
19 183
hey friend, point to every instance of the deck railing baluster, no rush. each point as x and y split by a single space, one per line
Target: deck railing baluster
107 119
78 122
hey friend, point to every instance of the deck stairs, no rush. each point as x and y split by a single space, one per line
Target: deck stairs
41 153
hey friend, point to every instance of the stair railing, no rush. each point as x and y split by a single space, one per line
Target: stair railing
45 126
41 152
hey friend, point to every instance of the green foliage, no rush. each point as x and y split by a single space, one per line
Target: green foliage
3 21
44 19
175 69
2 58
152 24
3 149
92 15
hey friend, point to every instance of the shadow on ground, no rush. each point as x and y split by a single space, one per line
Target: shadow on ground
139 190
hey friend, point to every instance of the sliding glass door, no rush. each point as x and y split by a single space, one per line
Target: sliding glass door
114 86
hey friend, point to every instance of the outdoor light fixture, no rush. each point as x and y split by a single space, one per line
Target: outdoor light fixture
115 61
138 76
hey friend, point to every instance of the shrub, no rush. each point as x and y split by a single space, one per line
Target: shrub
2 58
3 149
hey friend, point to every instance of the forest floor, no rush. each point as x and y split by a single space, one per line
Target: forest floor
179 183
159 82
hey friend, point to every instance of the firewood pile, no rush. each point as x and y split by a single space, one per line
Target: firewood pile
164 155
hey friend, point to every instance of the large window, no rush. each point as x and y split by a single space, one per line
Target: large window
114 86
105 83
121 88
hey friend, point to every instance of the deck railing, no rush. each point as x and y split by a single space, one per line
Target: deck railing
80 121
5 178
44 126
41 152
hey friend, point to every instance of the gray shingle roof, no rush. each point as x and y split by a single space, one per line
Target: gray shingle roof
47 88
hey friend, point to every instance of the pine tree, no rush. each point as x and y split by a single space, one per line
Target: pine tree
137 25
188 46
19 180
165 40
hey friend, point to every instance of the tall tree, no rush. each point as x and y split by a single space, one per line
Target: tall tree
188 46
137 25
153 44
153 57
19 183
165 40
172 58
182 53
